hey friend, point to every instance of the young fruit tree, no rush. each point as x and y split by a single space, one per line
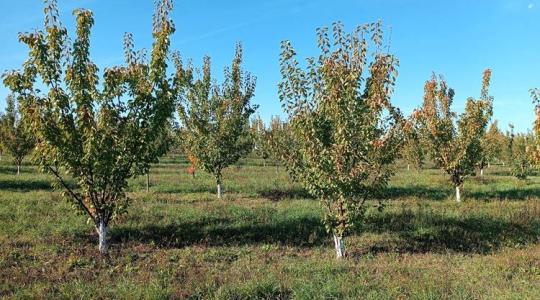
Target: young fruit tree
506 151
345 131
413 151
535 95
259 136
15 138
522 158
490 147
493 144
192 169
215 118
534 149
98 138
279 141
454 143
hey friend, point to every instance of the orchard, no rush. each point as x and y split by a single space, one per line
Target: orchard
308 174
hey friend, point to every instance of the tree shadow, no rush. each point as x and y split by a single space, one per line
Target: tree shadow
416 232
444 193
24 185
189 189
483 179
422 232
397 192
12 169
512 194
277 194
217 231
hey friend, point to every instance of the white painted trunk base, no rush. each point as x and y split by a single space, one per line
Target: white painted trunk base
18 170
102 232
339 245
482 172
458 194
219 190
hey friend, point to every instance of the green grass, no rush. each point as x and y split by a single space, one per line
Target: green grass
265 240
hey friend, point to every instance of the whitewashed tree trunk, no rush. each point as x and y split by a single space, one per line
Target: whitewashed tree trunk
482 172
18 169
219 190
458 194
489 165
408 167
339 245
102 232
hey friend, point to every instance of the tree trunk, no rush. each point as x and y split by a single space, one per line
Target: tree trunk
148 181
218 184
18 169
408 167
458 194
102 232
339 245
482 172
489 165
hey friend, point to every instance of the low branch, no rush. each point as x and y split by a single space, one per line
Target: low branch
71 192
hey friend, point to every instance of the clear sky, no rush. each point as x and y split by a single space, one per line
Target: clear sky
456 38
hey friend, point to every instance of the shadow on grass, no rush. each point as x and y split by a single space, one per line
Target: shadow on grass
180 189
12 169
439 194
280 194
24 185
422 232
512 194
299 232
417 232
273 194
397 192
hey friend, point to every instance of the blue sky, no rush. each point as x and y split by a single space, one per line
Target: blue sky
455 38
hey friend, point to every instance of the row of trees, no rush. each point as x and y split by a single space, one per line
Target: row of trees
103 130
340 141
514 151
15 139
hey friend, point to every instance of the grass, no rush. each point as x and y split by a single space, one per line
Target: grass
265 240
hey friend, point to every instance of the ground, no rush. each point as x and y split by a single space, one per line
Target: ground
265 240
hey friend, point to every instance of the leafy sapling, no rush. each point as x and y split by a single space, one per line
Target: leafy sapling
215 117
345 134
99 138
454 143
15 138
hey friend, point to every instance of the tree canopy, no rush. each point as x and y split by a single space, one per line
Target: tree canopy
345 131
454 143
98 130
215 117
